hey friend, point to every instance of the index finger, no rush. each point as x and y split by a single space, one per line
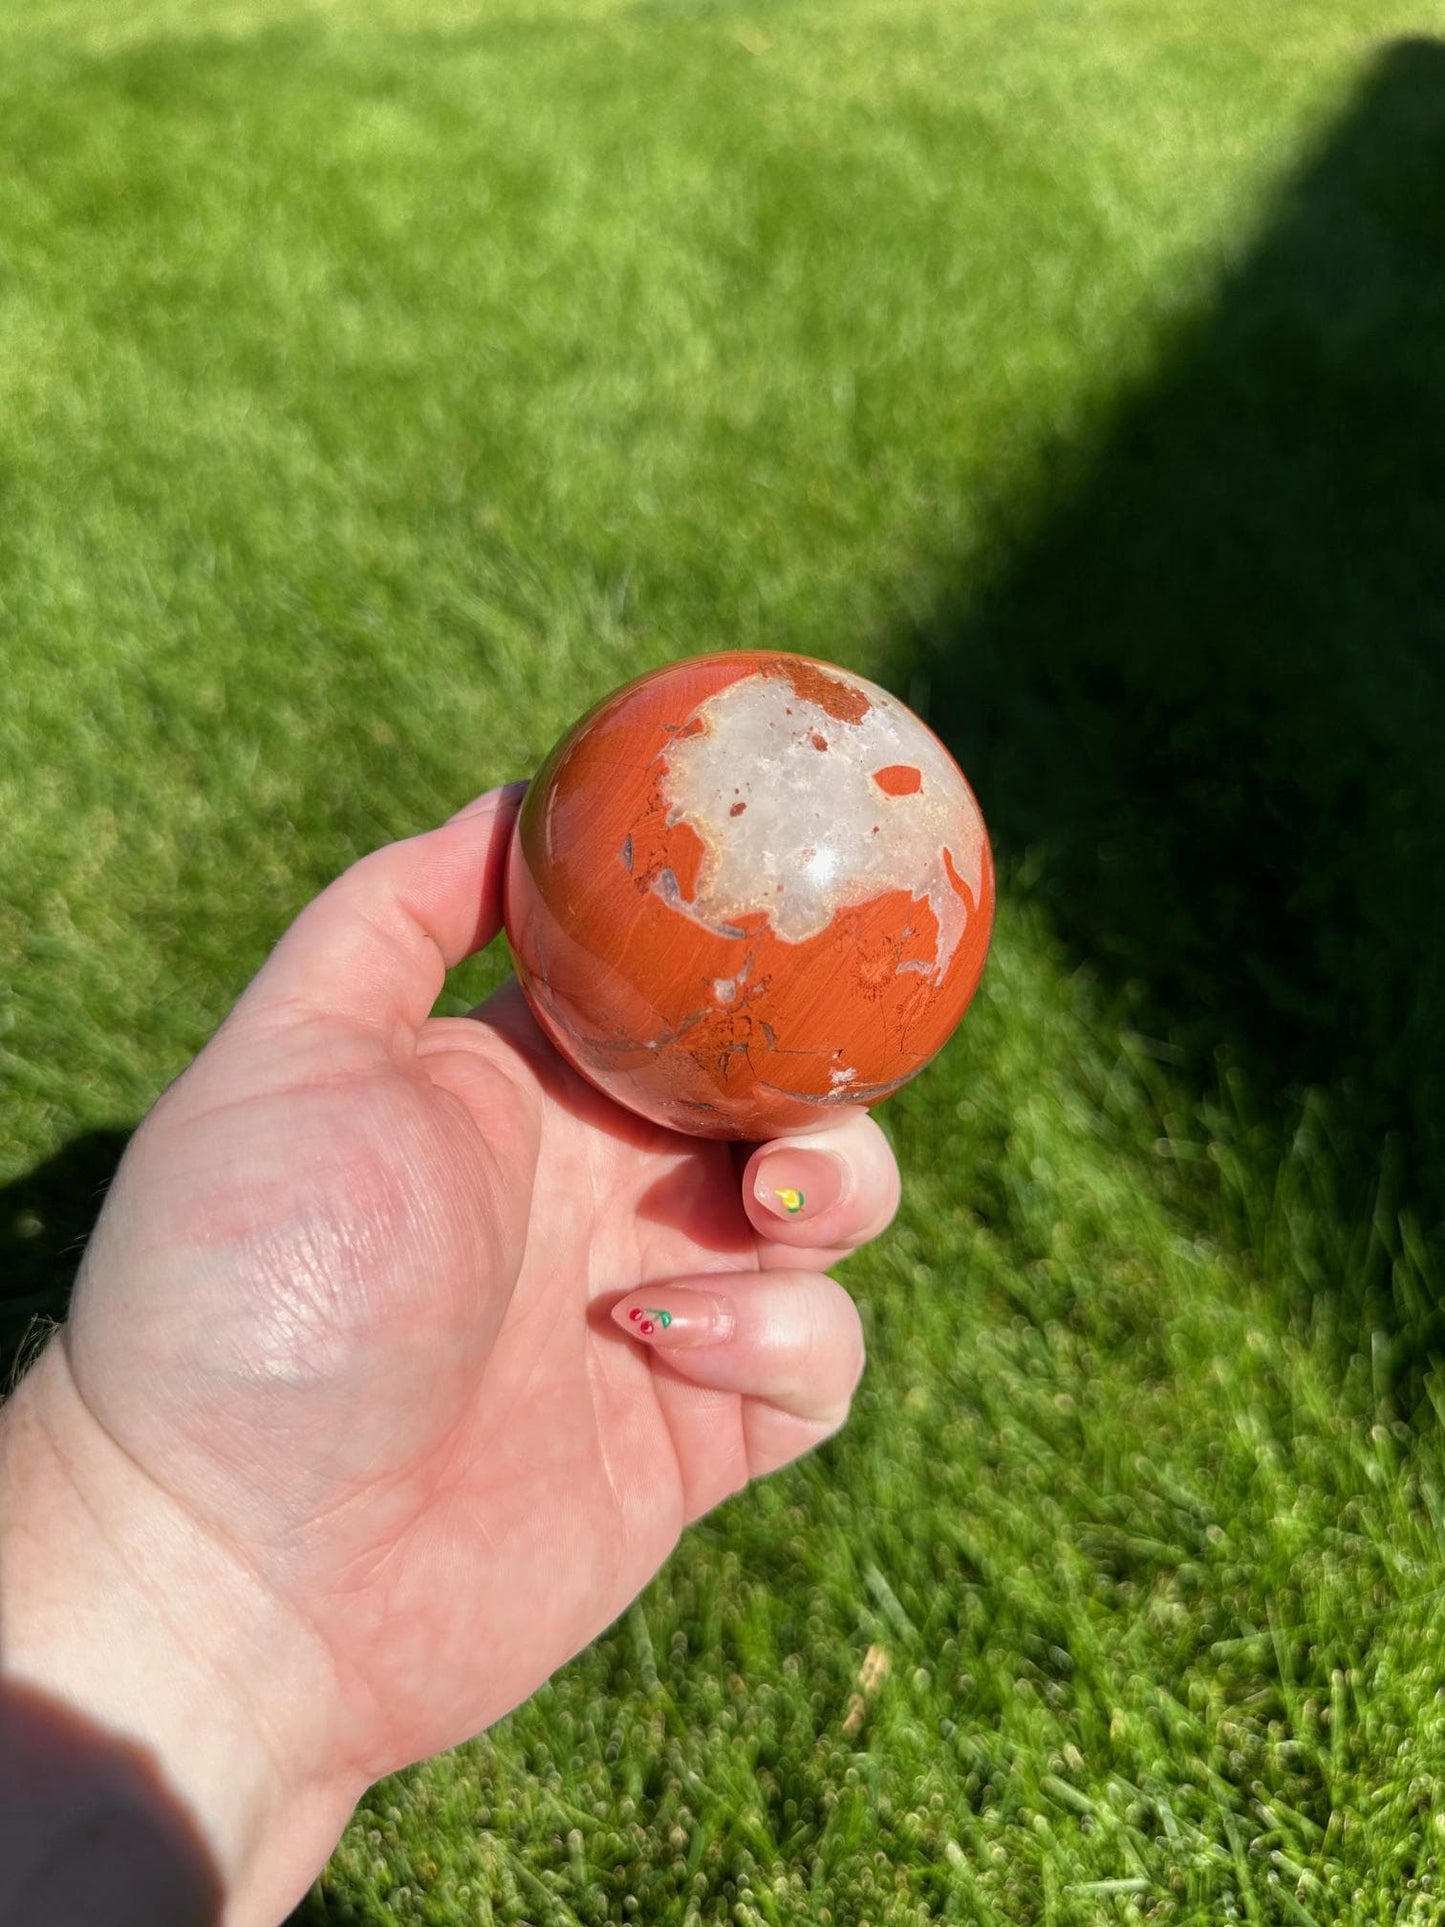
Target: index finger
812 1200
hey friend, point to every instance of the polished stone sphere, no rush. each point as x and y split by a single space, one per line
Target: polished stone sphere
747 889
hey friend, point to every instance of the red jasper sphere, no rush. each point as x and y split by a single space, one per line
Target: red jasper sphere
747 889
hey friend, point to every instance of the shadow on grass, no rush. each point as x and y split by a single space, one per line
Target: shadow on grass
1203 698
45 1218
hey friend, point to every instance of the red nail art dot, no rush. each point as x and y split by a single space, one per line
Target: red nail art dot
635 1313
647 1328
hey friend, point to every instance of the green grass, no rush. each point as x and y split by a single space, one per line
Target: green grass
381 381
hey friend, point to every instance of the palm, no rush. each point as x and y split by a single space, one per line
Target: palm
576 1458
369 1347
452 1411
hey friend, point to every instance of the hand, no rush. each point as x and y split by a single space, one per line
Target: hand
353 1399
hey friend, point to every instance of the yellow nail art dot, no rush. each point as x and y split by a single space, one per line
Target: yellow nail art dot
791 1200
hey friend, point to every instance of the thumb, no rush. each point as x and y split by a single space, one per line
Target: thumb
375 946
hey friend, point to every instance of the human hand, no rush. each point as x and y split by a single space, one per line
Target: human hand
350 1424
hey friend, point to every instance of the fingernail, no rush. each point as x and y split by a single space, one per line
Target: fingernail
796 1185
675 1320
489 800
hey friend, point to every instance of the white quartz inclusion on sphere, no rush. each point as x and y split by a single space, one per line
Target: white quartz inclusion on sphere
795 824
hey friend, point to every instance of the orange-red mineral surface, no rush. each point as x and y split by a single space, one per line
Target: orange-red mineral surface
747 889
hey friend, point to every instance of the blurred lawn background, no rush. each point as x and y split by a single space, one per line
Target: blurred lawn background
383 380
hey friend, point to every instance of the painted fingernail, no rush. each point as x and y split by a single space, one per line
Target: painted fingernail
675 1320
796 1185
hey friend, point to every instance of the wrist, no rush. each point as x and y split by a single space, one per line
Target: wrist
129 1633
